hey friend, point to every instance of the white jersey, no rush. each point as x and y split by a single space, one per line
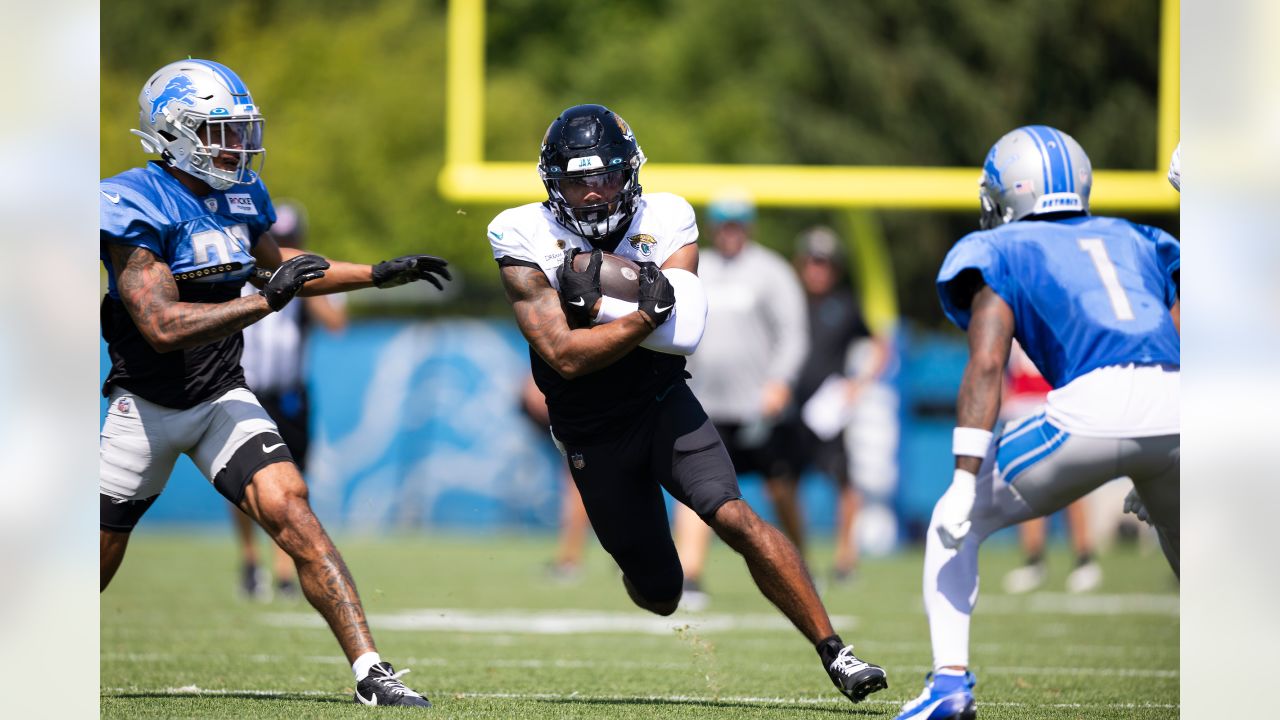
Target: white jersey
600 404
529 235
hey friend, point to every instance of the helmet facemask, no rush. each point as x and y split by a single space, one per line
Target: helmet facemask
618 189
230 151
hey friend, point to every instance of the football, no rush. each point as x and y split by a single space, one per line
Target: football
619 277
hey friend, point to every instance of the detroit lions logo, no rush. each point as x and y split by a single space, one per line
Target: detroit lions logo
179 89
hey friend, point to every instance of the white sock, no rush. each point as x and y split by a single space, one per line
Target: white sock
950 592
362 664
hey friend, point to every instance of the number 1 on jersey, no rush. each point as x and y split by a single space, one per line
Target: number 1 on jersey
1107 273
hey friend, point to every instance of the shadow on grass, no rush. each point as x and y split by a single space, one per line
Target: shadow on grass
275 696
833 709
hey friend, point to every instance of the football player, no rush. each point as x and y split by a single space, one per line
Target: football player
1094 303
179 238
614 379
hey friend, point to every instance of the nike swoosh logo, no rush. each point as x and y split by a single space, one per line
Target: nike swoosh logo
660 309
580 302
372 701
266 448
114 198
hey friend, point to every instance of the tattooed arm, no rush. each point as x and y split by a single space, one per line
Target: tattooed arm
990 335
571 352
149 293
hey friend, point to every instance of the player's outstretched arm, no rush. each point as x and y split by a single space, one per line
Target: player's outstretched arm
542 321
344 276
150 294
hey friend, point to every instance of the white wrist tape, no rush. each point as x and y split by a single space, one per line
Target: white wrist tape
970 442
611 308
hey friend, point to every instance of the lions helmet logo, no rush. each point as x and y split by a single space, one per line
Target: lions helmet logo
179 89
643 244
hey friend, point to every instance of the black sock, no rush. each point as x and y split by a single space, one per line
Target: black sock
1036 559
828 649
1084 559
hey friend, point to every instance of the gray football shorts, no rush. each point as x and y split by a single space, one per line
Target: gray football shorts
1036 469
141 441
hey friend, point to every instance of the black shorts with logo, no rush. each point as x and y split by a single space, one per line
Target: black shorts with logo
671 444
292 412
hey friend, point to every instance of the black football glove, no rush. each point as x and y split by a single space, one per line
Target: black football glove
657 297
289 278
392 273
580 290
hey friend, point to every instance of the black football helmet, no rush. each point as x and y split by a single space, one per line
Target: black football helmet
589 151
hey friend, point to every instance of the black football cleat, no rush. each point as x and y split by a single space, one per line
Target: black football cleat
855 678
382 686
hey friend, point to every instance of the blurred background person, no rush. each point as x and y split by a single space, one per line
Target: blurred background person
574 524
743 371
1025 391
274 365
835 326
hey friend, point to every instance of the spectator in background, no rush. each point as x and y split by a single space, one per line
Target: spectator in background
1025 391
835 325
273 363
743 372
574 524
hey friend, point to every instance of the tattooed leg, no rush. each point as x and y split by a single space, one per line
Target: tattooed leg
277 499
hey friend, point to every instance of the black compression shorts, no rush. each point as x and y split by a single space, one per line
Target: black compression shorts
673 445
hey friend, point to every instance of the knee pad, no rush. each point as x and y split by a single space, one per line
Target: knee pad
254 454
121 516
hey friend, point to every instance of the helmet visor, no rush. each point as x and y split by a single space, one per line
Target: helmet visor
598 189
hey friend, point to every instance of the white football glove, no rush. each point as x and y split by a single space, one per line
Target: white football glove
954 509
1133 504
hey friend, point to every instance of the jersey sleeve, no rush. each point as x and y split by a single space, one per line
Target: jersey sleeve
684 222
509 244
974 252
266 216
125 217
1169 257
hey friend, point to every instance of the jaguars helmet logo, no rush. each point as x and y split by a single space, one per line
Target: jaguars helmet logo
623 126
643 244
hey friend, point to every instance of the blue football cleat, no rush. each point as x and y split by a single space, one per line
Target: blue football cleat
945 697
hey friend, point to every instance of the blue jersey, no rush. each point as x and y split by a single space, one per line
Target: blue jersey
206 241
1086 292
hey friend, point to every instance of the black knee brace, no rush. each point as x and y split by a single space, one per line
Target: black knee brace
121 516
256 453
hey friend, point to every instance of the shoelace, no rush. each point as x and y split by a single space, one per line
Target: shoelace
845 663
392 682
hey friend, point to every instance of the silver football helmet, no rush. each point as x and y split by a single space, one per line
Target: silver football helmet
1034 170
198 115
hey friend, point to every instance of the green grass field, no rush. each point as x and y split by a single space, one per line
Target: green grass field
487 636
